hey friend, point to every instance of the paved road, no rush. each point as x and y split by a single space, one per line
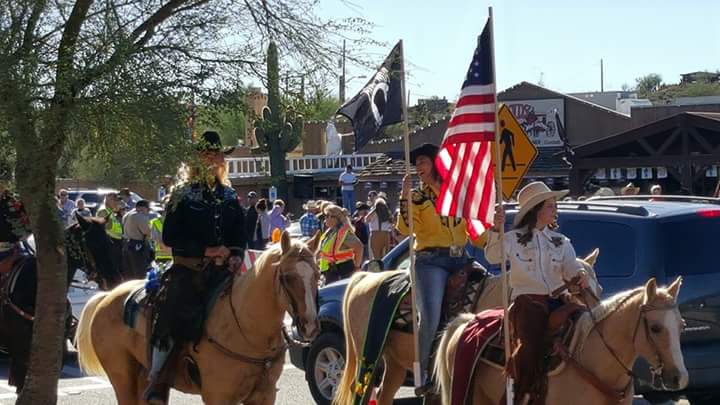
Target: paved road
77 389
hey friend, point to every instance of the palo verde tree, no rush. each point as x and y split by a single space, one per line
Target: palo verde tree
78 72
278 131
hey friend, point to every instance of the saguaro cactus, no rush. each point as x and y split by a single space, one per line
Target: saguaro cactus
277 131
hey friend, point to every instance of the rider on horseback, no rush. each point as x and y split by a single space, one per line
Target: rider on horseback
14 223
542 261
439 245
204 227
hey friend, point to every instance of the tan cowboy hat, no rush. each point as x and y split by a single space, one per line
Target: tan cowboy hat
311 205
533 194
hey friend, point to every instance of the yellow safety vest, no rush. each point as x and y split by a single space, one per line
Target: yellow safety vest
160 254
331 251
115 230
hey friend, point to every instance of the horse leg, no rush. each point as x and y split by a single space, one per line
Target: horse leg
125 374
19 349
392 380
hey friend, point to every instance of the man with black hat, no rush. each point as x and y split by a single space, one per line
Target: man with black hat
439 248
205 229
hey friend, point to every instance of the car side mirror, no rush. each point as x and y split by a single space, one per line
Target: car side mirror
373 266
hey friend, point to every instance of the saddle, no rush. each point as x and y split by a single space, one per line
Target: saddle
462 291
482 340
561 330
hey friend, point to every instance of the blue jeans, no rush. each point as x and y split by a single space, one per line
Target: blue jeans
431 274
348 197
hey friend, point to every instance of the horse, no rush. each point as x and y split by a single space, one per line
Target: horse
87 249
241 354
398 354
641 322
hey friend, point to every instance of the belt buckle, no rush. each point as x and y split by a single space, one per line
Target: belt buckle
456 251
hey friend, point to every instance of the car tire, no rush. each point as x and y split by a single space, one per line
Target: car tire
704 399
324 367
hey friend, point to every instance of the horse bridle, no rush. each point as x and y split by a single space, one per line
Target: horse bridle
265 362
655 369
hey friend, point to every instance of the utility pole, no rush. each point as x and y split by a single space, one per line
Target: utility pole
602 84
342 76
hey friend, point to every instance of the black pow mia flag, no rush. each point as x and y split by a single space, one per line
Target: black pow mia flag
379 103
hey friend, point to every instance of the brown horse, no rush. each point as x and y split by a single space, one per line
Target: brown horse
642 322
398 354
242 352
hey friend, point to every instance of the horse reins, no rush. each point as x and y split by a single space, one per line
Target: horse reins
265 362
594 380
5 294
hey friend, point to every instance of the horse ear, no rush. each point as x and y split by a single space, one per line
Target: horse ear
314 242
674 288
650 290
285 242
591 259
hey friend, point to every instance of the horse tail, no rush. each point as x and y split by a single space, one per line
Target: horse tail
89 362
442 368
344 391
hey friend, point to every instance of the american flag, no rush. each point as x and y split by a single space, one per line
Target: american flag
465 157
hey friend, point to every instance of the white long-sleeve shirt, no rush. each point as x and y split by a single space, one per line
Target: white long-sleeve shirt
540 266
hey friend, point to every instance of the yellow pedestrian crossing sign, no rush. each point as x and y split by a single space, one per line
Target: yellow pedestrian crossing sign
517 152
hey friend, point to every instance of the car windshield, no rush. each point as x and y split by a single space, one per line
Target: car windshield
91 198
690 245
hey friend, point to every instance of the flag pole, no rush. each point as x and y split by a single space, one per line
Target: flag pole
417 373
501 227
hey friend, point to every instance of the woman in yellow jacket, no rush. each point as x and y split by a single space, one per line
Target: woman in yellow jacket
439 248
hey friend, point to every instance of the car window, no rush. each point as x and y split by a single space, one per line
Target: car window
90 197
690 245
617 243
72 195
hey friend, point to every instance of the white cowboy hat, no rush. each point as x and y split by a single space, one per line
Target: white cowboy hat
533 194
311 205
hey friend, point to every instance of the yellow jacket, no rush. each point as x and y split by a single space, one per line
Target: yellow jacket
431 229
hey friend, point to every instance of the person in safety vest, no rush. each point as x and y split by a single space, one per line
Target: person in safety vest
439 249
341 252
162 252
204 226
113 228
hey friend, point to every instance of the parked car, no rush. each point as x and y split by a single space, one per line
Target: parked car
94 198
638 237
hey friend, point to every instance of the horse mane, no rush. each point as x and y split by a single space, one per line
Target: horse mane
274 253
615 303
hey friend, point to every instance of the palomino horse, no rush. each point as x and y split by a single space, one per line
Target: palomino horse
642 322
87 249
398 354
241 354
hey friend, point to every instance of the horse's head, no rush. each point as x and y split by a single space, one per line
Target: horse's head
88 249
658 335
299 275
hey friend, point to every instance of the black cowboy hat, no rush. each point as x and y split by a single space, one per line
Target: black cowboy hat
210 142
426 149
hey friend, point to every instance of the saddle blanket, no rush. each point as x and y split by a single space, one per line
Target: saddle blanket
474 338
387 299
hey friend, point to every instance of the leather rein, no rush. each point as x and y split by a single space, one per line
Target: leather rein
592 379
5 292
265 362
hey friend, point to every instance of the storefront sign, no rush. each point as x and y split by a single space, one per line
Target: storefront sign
537 117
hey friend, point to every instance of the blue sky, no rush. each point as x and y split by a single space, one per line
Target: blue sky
562 41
